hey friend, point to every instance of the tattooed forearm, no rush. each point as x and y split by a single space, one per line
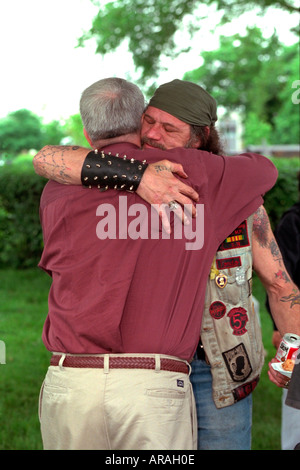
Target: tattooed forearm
293 299
283 276
56 162
274 248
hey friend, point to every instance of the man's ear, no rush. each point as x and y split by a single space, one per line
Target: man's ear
87 137
197 142
207 131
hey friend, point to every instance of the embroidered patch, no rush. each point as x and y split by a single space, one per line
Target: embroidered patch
237 363
238 319
244 390
227 263
217 310
180 383
238 239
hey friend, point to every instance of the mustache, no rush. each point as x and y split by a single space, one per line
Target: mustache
153 143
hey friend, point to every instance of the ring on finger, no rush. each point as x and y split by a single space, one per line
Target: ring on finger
173 205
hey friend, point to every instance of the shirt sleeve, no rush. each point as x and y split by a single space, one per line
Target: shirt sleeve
236 186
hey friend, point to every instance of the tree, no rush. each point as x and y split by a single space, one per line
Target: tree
53 133
287 119
74 131
254 75
20 130
23 130
149 26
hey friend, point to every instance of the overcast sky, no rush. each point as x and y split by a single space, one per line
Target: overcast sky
41 70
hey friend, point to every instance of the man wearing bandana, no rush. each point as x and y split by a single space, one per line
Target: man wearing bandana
172 130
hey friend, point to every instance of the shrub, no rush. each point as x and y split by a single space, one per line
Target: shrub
21 241
285 193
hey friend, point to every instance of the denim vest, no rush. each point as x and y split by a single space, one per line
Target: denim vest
231 333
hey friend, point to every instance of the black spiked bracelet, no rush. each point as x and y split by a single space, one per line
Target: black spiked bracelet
108 171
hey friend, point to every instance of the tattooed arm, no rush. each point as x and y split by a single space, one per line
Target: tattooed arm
283 294
60 163
158 184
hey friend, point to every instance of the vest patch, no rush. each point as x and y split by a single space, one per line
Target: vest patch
217 310
238 239
221 280
238 319
237 363
227 263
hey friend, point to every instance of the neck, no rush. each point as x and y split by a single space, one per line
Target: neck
128 138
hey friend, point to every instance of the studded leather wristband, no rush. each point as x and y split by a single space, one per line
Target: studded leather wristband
108 171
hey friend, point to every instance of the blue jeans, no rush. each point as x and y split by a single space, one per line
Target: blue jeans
226 428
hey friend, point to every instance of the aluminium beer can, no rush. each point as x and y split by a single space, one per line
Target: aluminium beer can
288 345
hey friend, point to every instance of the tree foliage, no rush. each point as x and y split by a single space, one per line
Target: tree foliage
23 130
20 130
149 26
74 131
255 76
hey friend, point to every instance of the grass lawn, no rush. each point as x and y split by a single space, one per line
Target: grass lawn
23 309
266 397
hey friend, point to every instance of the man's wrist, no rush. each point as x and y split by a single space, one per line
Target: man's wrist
107 171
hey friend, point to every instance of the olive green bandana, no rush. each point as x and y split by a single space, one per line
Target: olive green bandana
186 101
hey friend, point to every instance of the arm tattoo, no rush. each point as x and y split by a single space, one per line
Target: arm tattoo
264 234
275 250
282 275
260 227
159 168
293 299
50 161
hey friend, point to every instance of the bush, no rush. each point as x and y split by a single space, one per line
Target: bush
285 193
21 240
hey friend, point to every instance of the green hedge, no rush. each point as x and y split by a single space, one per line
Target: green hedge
21 240
285 193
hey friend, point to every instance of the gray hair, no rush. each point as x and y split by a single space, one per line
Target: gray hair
111 107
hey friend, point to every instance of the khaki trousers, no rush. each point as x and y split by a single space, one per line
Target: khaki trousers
117 409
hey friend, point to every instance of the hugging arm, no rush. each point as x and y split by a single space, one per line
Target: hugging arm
156 183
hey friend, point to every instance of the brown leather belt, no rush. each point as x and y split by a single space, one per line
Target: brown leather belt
96 362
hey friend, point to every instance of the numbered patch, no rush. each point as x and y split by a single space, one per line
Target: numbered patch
238 319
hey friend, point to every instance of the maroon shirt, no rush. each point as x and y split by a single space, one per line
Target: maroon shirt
144 295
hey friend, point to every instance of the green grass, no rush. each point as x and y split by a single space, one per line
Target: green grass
23 309
266 397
